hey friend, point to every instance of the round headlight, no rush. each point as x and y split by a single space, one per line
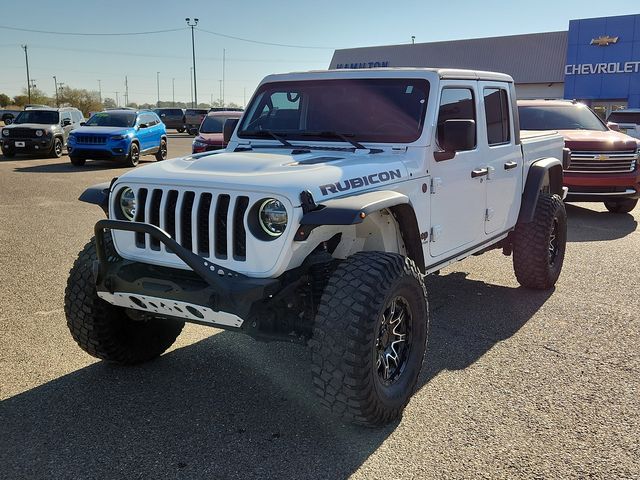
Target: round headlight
5 133
128 203
38 133
272 217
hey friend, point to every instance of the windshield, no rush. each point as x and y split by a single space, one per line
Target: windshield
214 124
112 119
364 110
44 117
625 117
559 117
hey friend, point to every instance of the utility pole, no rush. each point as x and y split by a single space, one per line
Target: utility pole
55 83
26 58
224 54
220 98
158 84
191 84
100 90
126 91
173 90
193 51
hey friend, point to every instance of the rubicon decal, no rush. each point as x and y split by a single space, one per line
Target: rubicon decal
358 182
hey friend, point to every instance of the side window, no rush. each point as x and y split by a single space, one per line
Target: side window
66 116
77 116
455 104
496 107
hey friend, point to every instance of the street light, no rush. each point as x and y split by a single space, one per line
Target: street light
193 51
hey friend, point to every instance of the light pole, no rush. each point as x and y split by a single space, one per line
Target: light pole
220 97
26 58
224 54
55 83
191 84
100 90
193 51
158 84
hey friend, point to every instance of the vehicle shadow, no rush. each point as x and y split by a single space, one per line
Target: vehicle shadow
586 225
230 407
69 168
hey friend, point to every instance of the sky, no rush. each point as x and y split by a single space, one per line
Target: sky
313 30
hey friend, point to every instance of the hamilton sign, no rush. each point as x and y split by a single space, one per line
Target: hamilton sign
597 68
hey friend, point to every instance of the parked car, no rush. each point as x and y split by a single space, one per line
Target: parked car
193 117
604 163
172 118
40 130
119 135
337 193
210 133
628 121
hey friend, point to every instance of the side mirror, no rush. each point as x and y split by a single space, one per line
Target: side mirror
613 126
228 129
66 122
455 136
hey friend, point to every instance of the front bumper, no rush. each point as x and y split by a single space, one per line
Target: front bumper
31 145
208 294
593 187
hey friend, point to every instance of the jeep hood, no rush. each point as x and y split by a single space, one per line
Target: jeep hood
103 130
325 174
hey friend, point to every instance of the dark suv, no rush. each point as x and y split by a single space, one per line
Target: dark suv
172 118
40 130
193 117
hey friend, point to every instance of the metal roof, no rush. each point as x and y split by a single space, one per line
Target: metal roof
529 58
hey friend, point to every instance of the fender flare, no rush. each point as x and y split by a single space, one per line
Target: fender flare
540 170
98 195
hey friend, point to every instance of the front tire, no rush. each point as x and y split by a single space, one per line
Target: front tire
133 158
104 330
77 161
161 154
56 148
621 206
539 246
9 153
369 337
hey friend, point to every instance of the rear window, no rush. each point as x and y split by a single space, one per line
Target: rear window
625 117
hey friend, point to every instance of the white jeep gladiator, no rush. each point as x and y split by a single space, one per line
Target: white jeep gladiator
338 192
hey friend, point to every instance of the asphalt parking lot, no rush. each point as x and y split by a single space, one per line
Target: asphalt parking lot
516 384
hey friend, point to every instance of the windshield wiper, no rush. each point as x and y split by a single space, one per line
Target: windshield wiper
269 133
342 136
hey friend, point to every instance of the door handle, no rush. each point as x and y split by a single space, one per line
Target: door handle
479 172
510 165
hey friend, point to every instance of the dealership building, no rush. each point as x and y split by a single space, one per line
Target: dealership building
596 61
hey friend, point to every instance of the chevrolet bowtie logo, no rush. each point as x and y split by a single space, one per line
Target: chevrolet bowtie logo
604 40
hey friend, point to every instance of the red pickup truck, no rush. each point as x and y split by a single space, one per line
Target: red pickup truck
604 162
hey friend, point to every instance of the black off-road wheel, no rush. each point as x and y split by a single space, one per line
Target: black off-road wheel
9 153
104 330
133 158
56 148
621 206
369 337
161 154
539 246
77 161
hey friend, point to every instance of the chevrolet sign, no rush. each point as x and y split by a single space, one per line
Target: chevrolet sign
596 68
604 40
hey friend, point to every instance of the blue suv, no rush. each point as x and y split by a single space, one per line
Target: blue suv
120 135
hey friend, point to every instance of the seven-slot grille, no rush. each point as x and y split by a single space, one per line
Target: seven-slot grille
210 225
91 139
603 162
23 132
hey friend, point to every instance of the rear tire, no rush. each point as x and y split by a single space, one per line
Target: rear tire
180 130
133 158
539 246
77 161
104 330
621 206
161 154
369 337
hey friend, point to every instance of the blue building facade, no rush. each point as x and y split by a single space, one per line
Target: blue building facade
603 60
